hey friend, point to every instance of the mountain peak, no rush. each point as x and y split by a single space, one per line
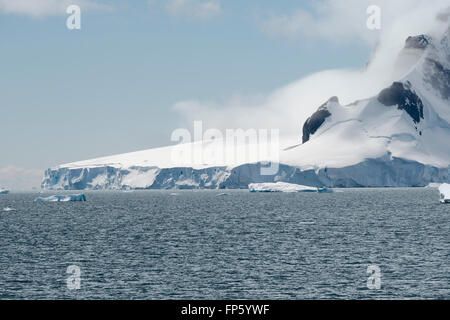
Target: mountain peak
333 99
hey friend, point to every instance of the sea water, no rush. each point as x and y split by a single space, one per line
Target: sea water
196 245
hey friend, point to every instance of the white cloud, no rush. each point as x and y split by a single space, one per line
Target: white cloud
40 8
338 20
17 178
191 9
288 107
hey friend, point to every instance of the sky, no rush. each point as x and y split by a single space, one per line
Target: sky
137 70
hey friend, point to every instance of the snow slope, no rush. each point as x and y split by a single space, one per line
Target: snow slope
401 137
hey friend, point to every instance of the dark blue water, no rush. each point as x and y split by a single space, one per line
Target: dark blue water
197 245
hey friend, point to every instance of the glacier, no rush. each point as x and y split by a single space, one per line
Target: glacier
385 171
397 138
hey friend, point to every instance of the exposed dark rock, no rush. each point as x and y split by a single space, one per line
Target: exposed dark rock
417 42
405 98
316 120
438 77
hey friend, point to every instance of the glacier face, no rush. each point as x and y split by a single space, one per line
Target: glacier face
399 138
381 172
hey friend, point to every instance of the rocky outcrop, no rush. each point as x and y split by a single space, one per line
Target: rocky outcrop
439 77
417 42
316 120
405 98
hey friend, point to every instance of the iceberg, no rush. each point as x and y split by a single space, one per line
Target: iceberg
62 198
433 185
280 187
444 189
4 191
8 209
325 190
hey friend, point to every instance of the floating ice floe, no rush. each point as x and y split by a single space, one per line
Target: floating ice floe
62 198
325 190
307 223
444 189
8 209
4 191
284 187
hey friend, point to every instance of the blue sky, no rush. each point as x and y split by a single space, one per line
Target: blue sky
111 87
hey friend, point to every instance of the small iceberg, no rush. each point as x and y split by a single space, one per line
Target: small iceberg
325 190
433 185
282 187
8 209
62 198
4 191
222 194
306 223
444 189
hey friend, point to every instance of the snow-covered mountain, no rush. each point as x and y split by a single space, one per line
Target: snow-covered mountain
400 137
